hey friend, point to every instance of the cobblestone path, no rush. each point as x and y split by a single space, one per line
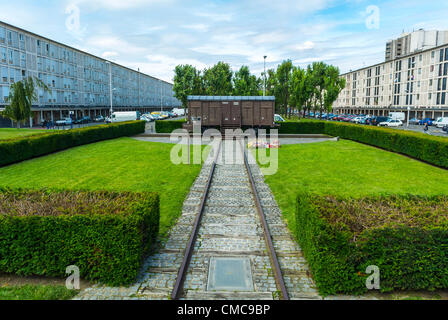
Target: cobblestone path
230 228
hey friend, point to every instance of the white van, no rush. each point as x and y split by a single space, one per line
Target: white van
179 112
124 116
441 122
397 116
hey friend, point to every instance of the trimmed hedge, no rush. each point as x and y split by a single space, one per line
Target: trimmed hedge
302 127
168 126
24 148
406 237
431 149
107 245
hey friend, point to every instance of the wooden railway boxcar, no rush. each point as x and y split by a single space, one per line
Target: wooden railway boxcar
231 112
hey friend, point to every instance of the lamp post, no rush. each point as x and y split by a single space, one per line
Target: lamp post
264 87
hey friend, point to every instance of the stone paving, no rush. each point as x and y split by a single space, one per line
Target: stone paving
230 227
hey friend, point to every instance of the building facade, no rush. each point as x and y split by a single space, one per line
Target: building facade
79 81
415 41
415 84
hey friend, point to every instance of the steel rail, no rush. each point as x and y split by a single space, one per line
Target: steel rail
267 234
178 286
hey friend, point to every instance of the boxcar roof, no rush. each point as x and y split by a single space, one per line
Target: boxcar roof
231 98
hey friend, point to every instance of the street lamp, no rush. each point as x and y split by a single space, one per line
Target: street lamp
264 87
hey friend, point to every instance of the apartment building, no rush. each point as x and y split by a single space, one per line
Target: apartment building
415 41
79 81
415 84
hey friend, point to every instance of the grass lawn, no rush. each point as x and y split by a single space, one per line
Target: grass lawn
349 169
36 292
7 133
123 164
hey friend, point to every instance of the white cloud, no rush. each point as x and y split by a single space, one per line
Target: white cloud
116 4
197 27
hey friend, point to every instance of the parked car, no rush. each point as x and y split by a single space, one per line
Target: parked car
99 119
445 128
426 120
441 122
179 112
377 120
278 118
147 118
391 123
64 122
414 121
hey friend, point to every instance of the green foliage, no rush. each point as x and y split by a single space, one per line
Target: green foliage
106 246
410 255
21 98
427 148
245 84
186 82
218 80
36 292
282 89
423 147
168 126
23 148
302 127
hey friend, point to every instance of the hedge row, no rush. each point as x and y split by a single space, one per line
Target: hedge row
420 146
71 228
24 148
302 127
410 255
168 126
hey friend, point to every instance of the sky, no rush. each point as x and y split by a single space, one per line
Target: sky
157 35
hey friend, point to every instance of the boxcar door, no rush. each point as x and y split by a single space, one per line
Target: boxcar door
214 113
236 113
226 113
266 114
248 113
205 114
195 110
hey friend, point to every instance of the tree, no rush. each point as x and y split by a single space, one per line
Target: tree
21 97
282 89
271 82
185 83
299 92
245 84
319 82
334 84
218 80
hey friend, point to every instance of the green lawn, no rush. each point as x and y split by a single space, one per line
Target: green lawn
122 164
349 169
7 133
36 292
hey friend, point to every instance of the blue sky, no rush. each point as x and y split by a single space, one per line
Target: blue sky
156 35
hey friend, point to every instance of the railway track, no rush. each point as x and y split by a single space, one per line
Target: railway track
235 230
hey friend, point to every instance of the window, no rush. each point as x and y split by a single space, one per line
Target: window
4 74
3 54
2 35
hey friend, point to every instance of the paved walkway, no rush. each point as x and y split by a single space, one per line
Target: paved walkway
230 228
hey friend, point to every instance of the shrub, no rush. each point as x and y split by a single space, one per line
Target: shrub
405 236
105 234
168 126
24 148
431 149
301 127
